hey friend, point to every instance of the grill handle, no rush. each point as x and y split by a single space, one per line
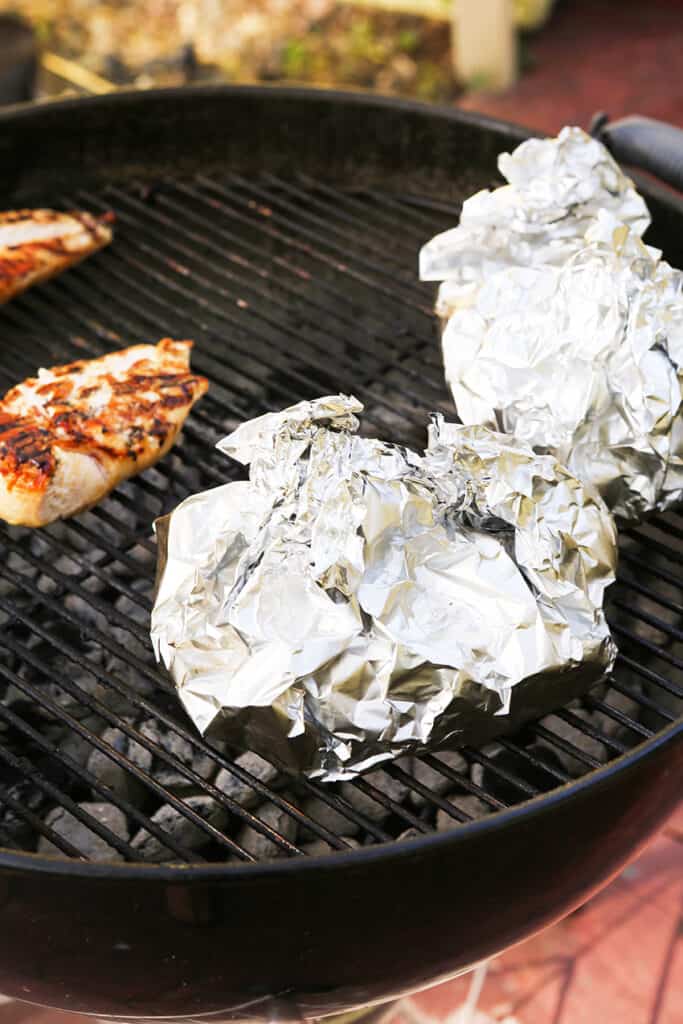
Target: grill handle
644 143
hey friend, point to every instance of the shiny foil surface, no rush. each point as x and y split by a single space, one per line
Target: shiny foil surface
555 189
354 600
569 333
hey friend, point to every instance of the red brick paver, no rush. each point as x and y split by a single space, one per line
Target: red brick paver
621 56
618 959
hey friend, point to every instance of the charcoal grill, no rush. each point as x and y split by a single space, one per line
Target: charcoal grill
280 230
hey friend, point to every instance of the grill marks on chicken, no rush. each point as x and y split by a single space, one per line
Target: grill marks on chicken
71 434
37 244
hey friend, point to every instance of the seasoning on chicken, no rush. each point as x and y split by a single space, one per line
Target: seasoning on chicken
74 432
37 244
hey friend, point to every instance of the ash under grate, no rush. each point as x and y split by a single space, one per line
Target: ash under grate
291 290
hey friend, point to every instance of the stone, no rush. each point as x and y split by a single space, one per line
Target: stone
259 846
241 792
78 747
579 739
116 776
627 706
87 614
410 833
133 609
15 832
130 674
433 779
470 805
142 556
184 751
180 828
364 803
41 544
519 768
328 817
64 566
350 841
83 838
318 847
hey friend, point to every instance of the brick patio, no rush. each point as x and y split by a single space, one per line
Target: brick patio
621 56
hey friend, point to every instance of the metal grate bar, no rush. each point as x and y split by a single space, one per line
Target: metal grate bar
345 378
302 377
649 674
501 773
88 701
39 826
83 775
245 284
463 782
227 194
617 716
590 730
543 733
21 765
422 204
313 291
661 599
130 279
367 311
666 526
652 620
394 213
383 245
644 701
389 804
536 762
279 263
121 687
323 235
643 565
651 543
385 330
69 583
659 652
427 214
432 798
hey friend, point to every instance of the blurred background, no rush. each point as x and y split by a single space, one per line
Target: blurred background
540 62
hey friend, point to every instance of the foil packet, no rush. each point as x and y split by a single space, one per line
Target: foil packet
584 360
555 189
569 334
354 600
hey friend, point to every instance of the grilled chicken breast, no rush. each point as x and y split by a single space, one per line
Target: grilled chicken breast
37 244
71 434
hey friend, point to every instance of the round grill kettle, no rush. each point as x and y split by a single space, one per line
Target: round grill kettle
307 937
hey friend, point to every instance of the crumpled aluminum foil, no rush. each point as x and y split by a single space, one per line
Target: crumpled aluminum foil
555 189
573 342
354 600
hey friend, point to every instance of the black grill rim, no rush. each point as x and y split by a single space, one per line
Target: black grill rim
31 117
525 811
23 115
355 94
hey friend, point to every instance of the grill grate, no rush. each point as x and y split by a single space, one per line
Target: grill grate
291 289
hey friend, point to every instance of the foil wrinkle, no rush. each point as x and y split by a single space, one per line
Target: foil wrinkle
562 327
353 599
